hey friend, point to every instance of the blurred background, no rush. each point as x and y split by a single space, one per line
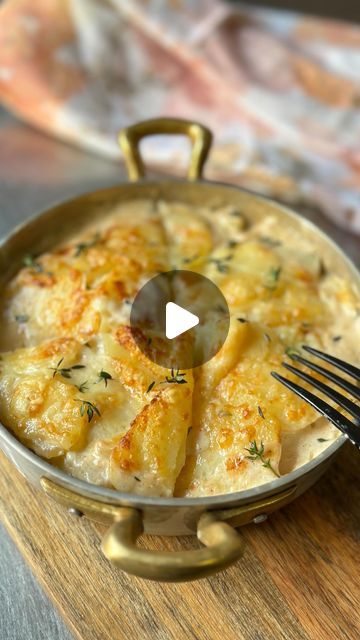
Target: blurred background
345 9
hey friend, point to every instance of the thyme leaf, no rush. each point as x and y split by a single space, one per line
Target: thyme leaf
104 376
65 372
82 387
270 242
292 351
257 453
176 377
89 408
235 213
62 371
151 386
84 246
261 413
220 263
31 262
273 278
22 318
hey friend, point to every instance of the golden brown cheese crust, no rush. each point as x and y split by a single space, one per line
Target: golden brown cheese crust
76 389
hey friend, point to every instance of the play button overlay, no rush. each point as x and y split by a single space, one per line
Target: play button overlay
179 319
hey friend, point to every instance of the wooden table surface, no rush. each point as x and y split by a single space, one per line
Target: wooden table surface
298 579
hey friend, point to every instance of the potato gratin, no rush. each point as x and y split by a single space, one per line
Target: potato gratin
76 389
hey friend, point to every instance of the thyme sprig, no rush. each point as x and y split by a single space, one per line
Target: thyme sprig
273 278
82 387
84 246
292 351
257 453
221 263
89 408
31 262
65 372
104 376
269 241
176 377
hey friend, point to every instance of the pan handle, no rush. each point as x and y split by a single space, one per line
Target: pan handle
130 138
223 546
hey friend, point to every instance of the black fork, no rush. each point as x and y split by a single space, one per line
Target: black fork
350 428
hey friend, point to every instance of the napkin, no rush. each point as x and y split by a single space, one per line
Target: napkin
280 90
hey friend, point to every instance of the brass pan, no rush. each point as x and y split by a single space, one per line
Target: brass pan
212 519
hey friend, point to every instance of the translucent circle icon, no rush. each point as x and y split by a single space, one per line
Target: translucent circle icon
179 319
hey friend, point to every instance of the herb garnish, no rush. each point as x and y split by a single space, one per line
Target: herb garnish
261 413
273 278
176 377
22 318
337 338
323 439
242 320
89 408
65 372
267 337
104 376
232 244
292 351
190 259
322 268
30 261
257 453
137 479
84 246
83 387
239 214
271 242
220 264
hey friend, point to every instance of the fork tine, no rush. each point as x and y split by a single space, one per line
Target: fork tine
341 422
344 384
347 404
354 372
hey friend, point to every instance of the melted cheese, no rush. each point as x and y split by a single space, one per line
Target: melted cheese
76 389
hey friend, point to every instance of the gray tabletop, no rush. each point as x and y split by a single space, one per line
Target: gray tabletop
36 171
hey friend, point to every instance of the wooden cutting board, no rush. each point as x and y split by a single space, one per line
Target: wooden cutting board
298 579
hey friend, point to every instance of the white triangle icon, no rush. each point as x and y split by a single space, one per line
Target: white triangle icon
178 320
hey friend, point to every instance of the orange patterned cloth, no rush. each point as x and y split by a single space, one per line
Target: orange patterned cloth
281 91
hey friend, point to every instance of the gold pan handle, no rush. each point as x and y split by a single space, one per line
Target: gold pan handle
223 546
130 138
